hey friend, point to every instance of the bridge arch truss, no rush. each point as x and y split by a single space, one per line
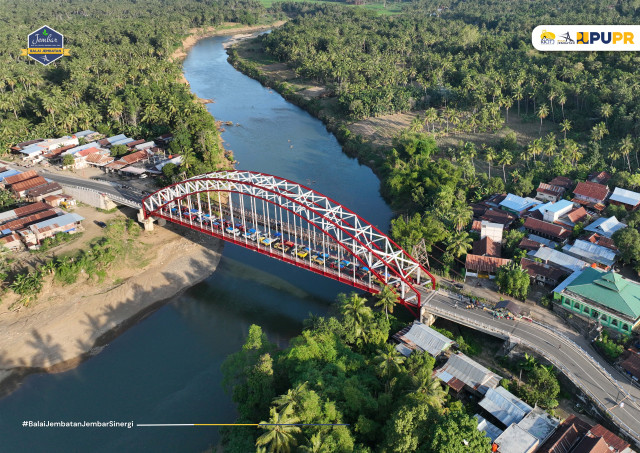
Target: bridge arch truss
339 243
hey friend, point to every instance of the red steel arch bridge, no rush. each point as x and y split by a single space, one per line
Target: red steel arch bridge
292 223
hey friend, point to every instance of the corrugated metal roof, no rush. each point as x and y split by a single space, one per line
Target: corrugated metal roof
541 240
84 133
504 405
516 203
146 145
539 424
592 252
8 174
115 138
80 148
470 372
559 206
606 227
491 430
515 439
428 339
559 258
60 221
625 196
124 141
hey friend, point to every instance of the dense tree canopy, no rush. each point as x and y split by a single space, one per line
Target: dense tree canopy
342 370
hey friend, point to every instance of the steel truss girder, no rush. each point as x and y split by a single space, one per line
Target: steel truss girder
393 266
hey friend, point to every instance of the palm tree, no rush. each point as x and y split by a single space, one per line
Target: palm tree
386 299
460 215
316 445
430 115
505 159
565 126
543 112
389 361
490 155
562 100
605 111
459 244
426 384
356 315
599 131
626 146
280 435
289 401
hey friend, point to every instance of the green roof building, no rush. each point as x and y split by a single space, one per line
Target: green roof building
605 297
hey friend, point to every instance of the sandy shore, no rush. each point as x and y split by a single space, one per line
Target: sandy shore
69 324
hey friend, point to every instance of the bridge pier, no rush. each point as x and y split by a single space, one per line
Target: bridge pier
146 221
426 317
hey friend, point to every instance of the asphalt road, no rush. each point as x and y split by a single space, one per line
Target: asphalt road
585 369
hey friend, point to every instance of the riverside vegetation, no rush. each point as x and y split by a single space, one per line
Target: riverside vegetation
466 70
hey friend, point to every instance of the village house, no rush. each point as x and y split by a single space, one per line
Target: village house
591 194
575 435
551 212
35 150
543 273
517 205
593 254
622 197
605 227
20 189
460 371
23 211
526 435
605 297
483 266
548 230
38 232
40 192
599 177
7 174
549 192
498 216
562 181
573 217
553 257
420 337
599 239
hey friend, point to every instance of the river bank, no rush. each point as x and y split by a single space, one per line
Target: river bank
69 324
238 31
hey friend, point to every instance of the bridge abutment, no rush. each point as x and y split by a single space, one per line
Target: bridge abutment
426 317
146 221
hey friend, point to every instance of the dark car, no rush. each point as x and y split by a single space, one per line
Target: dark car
100 224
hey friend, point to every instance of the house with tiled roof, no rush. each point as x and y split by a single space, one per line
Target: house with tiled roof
599 177
562 181
627 198
20 188
38 193
487 247
549 192
605 297
497 216
566 436
605 226
547 230
543 273
599 239
590 193
631 363
483 266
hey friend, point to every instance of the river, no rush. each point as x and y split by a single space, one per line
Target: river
166 369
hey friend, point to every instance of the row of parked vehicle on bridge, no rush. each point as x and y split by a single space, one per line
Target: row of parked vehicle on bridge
276 241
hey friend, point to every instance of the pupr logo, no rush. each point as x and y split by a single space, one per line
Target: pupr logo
547 37
604 37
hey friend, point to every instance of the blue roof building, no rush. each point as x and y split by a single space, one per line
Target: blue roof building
517 205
